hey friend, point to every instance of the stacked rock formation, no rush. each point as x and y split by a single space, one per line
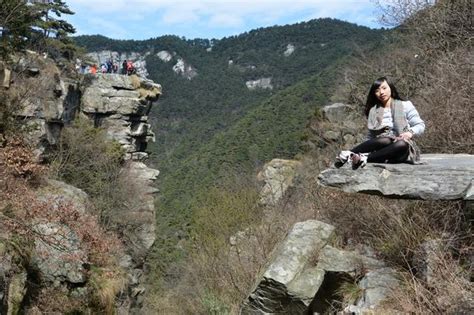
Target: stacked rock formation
306 273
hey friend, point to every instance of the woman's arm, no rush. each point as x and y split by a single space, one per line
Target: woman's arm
416 124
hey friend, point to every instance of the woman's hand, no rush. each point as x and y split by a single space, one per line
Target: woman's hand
405 136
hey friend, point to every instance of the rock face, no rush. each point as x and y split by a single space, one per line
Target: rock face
121 105
49 100
305 274
278 176
263 83
440 177
184 69
290 49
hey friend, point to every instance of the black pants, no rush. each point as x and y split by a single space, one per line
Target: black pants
383 150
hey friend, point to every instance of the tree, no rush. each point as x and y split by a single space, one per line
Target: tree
50 12
396 12
16 21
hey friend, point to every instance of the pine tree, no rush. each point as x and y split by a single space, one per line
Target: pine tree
16 21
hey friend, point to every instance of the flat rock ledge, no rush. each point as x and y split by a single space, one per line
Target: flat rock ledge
440 177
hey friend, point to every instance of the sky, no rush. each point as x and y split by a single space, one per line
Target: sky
143 19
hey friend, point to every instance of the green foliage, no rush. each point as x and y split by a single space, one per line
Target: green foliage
220 212
214 125
85 158
48 23
20 22
212 305
16 21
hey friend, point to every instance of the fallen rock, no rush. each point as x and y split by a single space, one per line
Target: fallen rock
306 276
285 286
440 177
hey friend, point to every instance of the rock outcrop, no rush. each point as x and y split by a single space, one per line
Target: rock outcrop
184 69
278 175
306 273
290 49
118 104
49 100
263 83
440 177
121 104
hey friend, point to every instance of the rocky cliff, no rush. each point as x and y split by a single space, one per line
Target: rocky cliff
119 105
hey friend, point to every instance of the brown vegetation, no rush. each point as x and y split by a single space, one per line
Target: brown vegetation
429 58
21 210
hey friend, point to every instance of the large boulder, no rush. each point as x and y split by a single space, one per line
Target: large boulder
58 192
57 254
306 275
439 177
287 286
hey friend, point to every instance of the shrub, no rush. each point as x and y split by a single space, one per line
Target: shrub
21 210
87 159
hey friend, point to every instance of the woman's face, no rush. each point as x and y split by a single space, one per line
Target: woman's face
383 93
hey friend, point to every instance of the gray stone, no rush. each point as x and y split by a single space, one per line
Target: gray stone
337 113
333 259
57 254
441 177
288 272
376 286
61 193
278 175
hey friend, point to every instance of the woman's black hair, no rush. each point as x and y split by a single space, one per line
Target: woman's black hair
372 100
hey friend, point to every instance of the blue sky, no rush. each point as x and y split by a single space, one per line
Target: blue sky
143 19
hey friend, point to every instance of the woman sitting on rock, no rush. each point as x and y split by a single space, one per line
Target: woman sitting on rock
392 124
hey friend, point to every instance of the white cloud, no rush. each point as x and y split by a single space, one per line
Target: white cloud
225 20
232 15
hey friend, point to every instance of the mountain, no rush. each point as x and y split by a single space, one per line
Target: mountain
234 103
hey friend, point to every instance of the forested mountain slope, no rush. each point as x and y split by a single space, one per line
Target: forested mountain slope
192 111
212 124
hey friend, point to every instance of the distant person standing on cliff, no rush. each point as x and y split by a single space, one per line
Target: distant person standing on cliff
124 67
392 124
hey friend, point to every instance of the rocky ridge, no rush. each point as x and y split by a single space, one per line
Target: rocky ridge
120 105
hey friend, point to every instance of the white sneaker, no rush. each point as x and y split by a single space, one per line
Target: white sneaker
342 158
358 160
